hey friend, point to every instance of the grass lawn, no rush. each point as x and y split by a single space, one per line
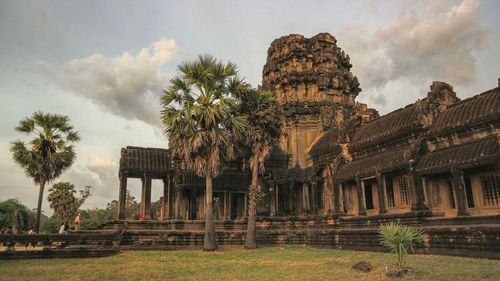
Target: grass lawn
231 263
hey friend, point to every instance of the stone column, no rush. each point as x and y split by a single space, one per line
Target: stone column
277 200
227 206
459 187
122 198
313 201
177 205
361 196
305 198
272 201
146 197
382 194
325 197
341 198
292 198
166 198
337 199
417 192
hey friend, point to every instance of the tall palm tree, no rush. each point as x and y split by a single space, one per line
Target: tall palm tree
48 154
263 131
202 124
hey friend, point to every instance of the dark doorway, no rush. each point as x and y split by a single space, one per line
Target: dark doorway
468 192
390 192
282 200
369 196
192 204
237 206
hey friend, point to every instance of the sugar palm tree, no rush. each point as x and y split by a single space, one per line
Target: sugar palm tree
63 200
48 154
201 122
263 131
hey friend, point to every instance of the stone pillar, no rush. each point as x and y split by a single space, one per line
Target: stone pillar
459 187
326 197
417 191
227 206
166 198
305 198
337 199
272 201
245 211
292 198
122 198
382 194
360 185
177 205
341 198
313 200
146 197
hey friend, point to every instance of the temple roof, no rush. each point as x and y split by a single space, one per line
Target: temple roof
469 155
326 146
478 109
388 160
137 161
391 125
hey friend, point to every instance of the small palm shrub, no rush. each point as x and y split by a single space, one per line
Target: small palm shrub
399 239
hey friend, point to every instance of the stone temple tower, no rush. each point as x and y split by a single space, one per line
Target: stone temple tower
312 81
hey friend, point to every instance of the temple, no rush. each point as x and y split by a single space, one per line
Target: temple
438 157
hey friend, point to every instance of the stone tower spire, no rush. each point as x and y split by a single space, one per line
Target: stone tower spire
312 81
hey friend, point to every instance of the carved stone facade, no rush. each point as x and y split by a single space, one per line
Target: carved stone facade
312 82
438 156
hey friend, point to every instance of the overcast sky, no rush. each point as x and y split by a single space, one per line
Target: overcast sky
104 63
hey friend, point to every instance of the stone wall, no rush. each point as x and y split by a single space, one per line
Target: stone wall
463 236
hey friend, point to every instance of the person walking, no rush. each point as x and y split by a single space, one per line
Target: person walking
61 229
77 222
66 227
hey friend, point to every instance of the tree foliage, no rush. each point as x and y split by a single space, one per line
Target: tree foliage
201 122
262 133
45 157
15 216
63 200
399 239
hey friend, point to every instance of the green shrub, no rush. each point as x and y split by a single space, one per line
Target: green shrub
399 239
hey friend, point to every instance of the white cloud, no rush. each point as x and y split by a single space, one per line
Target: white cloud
128 85
99 173
438 43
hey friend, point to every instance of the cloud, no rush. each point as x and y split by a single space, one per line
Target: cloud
99 173
128 85
438 43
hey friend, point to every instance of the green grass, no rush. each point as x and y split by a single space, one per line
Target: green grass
273 263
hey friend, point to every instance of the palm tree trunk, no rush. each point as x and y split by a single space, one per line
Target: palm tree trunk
39 207
250 242
209 242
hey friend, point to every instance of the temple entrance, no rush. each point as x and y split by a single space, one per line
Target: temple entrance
238 206
469 193
369 196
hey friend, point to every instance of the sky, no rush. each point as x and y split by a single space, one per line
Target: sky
104 63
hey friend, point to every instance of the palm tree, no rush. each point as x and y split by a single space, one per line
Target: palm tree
63 200
48 154
263 131
202 124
